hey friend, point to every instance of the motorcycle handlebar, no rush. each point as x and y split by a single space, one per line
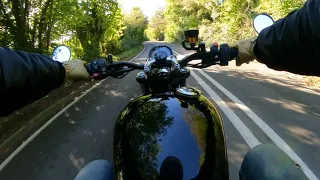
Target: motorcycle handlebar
183 62
100 69
126 63
216 55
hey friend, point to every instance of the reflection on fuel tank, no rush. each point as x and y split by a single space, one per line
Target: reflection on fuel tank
150 122
206 126
171 169
155 130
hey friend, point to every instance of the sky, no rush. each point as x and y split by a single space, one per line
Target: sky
148 6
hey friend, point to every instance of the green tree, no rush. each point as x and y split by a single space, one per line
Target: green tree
181 15
5 37
141 137
221 21
29 24
135 25
96 23
92 27
228 18
279 8
157 26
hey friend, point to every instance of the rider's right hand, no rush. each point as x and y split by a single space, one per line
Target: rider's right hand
245 51
75 70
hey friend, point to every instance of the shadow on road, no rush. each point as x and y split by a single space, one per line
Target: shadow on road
290 109
80 135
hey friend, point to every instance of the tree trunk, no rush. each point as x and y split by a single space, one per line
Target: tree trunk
90 45
43 23
48 36
33 32
49 27
20 37
83 41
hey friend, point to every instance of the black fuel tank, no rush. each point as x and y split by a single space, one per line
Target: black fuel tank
184 125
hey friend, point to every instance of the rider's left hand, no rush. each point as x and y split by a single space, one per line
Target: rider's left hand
75 70
245 49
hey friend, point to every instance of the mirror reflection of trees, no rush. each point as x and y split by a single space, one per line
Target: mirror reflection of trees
144 131
207 129
198 125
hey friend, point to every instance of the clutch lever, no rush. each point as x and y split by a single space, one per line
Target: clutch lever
121 73
100 69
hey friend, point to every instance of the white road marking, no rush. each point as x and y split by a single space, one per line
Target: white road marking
256 119
247 135
25 143
34 135
138 54
264 127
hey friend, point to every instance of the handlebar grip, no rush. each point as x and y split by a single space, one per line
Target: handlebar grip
234 52
227 54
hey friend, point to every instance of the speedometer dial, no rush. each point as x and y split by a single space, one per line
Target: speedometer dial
160 52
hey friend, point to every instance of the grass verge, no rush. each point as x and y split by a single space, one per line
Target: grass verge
308 81
313 81
128 54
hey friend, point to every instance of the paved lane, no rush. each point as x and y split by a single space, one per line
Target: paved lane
84 132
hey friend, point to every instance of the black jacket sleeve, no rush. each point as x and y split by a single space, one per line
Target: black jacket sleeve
25 78
293 43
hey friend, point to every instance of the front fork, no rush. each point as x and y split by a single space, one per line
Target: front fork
182 82
145 88
140 78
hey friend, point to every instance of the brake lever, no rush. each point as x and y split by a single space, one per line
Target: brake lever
201 66
100 69
216 55
121 73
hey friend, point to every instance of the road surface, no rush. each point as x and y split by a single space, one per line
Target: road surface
252 102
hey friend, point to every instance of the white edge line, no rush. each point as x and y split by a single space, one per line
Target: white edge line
264 127
245 132
138 54
35 134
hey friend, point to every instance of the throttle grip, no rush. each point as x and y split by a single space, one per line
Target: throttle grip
227 54
234 53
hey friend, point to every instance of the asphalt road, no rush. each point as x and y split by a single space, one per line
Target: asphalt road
84 131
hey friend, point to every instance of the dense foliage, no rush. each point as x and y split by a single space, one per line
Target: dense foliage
218 20
136 24
28 24
91 28
96 24
157 25
95 28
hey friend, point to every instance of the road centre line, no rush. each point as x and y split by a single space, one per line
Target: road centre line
245 132
264 127
35 134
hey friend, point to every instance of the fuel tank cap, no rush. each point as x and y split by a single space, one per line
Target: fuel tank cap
188 92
